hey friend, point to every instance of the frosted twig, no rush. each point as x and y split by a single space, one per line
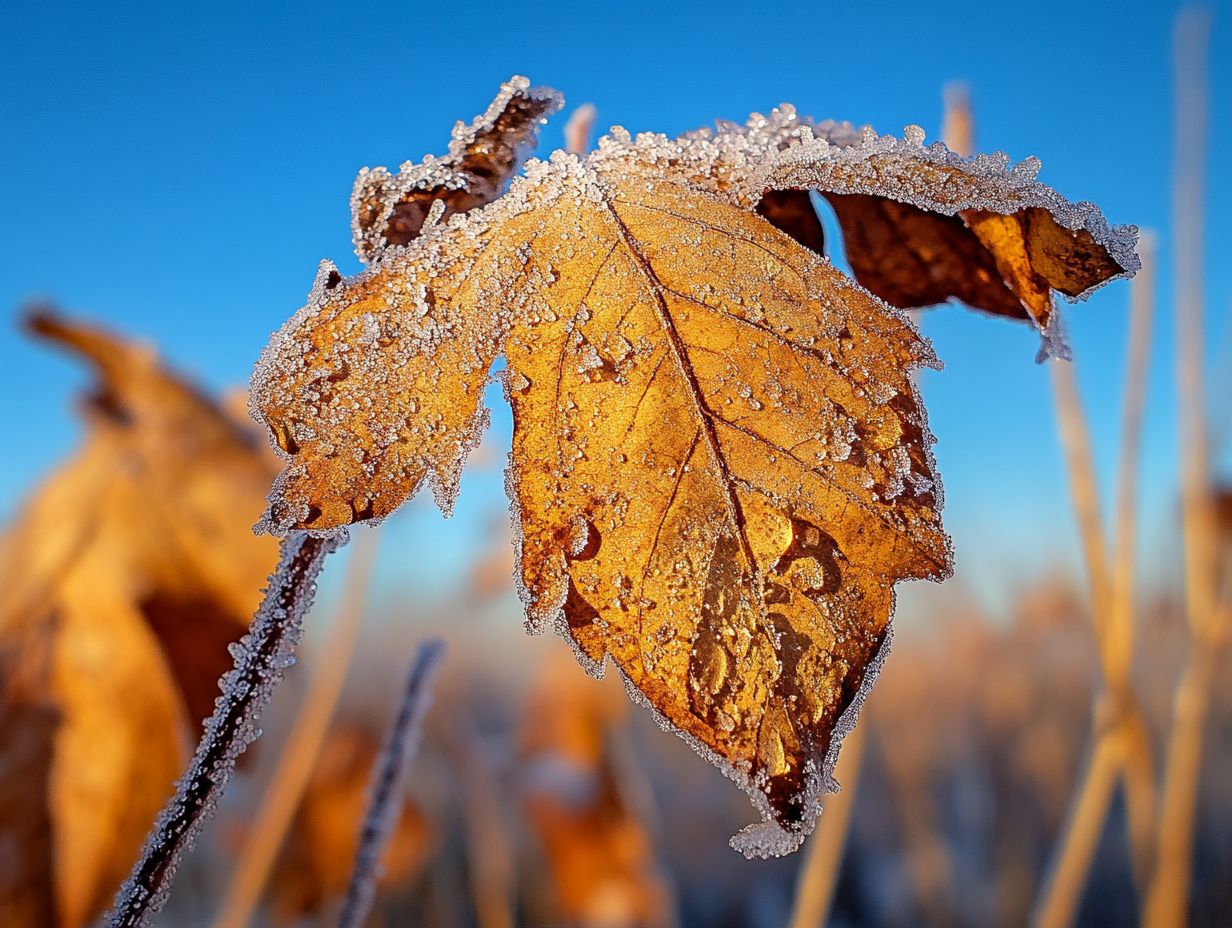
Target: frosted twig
299 754
388 786
260 658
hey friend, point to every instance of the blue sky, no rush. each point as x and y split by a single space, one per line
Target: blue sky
179 172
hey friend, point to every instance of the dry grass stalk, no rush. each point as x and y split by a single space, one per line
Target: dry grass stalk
303 744
1139 766
1169 890
1121 746
819 872
260 659
958 126
389 782
490 856
1121 749
578 129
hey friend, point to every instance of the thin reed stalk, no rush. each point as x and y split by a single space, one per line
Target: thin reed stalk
819 872
1139 766
1167 898
1083 829
389 783
1119 730
490 857
1121 748
578 129
1084 490
260 658
303 745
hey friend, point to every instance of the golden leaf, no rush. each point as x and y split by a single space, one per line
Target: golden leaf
720 464
126 576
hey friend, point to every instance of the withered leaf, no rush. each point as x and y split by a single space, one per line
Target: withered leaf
126 576
921 225
720 465
391 209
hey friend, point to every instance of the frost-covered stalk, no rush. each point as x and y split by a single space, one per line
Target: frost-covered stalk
303 744
260 658
387 787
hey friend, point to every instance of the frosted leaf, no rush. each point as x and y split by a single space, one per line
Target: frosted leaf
708 378
720 463
391 209
921 224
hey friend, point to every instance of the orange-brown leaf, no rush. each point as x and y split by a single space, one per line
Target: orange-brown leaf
600 856
390 210
126 576
921 225
720 465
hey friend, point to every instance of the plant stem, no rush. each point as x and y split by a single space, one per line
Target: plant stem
819 872
1076 442
1121 747
1139 765
260 658
1084 826
390 778
299 754
1169 891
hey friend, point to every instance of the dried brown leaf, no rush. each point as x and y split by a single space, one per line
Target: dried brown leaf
391 209
922 225
128 573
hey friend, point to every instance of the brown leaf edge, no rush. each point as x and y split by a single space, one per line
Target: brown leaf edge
1036 240
390 210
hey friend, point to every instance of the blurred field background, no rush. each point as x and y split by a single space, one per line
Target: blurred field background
172 180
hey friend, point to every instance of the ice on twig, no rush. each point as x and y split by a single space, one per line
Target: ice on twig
261 656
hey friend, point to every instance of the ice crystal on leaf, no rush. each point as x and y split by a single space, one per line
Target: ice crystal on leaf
720 463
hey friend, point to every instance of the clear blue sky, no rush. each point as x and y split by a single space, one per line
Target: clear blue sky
178 173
